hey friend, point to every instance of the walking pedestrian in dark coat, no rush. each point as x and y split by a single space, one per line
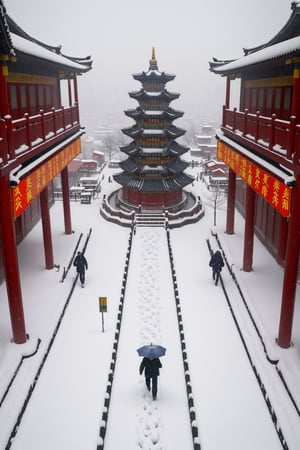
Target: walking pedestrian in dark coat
151 367
216 263
81 265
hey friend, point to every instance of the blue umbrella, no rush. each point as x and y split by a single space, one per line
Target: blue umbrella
151 351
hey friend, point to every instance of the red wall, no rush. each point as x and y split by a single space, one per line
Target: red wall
152 199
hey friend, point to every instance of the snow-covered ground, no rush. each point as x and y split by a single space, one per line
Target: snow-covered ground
62 408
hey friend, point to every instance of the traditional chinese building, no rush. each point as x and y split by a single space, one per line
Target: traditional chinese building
259 140
38 138
153 174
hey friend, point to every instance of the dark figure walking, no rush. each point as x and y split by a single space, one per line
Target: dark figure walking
216 263
151 366
81 266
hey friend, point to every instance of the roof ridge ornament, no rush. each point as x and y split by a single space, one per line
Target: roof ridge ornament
153 61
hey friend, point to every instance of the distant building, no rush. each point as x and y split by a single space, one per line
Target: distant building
104 142
216 175
206 145
99 157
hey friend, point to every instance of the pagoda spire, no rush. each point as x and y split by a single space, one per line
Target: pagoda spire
153 61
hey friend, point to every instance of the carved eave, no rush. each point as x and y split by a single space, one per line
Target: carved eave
175 132
6 46
177 149
177 166
130 149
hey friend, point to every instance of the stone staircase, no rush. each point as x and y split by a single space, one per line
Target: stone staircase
150 219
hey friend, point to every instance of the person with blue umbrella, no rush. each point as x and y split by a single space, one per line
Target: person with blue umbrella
151 365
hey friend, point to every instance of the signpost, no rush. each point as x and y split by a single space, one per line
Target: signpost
103 309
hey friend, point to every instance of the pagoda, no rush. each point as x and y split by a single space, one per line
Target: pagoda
153 175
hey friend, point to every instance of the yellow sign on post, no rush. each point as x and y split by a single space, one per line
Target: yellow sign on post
103 308
103 304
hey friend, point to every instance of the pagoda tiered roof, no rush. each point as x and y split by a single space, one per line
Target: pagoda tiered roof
161 184
140 113
158 95
136 131
153 74
133 149
133 166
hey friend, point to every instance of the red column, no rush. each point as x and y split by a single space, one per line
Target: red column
11 267
75 89
290 271
227 99
4 103
70 92
296 94
76 96
249 229
66 200
281 248
230 202
44 202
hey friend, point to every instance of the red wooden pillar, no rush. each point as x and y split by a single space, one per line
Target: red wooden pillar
249 229
75 89
66 200
281 248
70 92
44 201
4 103
11 267
296 94
230 202
290 271
227 98
76 96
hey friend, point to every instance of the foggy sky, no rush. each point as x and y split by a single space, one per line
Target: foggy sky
120 34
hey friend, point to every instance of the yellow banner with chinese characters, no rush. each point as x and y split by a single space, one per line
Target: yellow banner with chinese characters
263 183
32 185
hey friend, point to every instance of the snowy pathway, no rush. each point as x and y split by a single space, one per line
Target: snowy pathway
234 414
149 316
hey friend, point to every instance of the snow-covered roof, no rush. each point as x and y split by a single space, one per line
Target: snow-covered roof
97 152
282 49
284 44
153 150
5 39
202 136
153 72
31 48
154 131
14 40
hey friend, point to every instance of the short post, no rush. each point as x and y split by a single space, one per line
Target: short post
103 309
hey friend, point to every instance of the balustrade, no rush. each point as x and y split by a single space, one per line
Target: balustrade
20 135
278 136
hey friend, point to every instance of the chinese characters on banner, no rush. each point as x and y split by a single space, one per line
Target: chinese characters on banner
270 188
31 186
